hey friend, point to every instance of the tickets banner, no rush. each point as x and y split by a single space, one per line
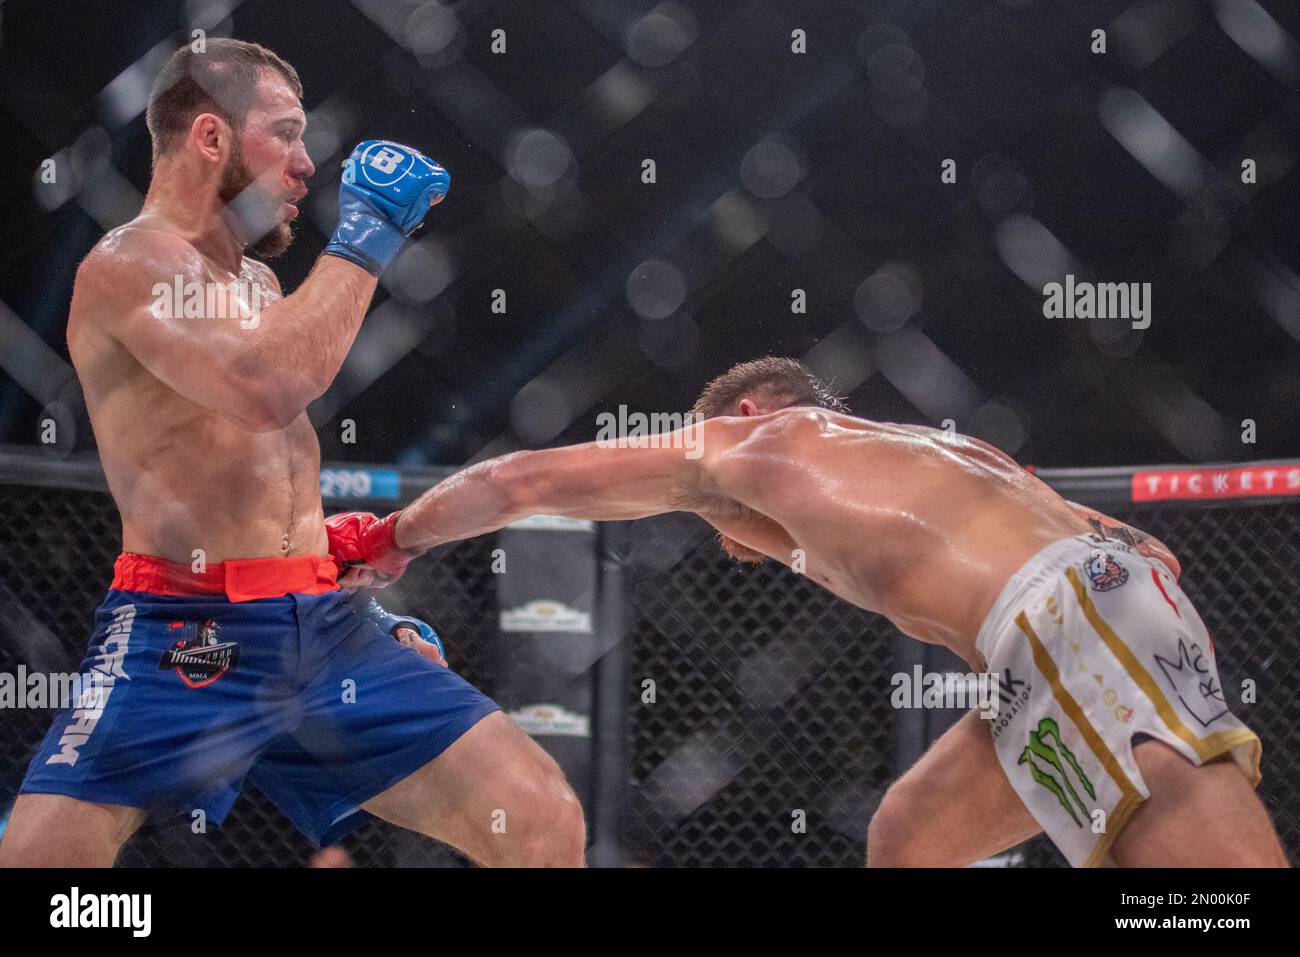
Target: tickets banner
1219 482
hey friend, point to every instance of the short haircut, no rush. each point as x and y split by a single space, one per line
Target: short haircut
221 80
774 379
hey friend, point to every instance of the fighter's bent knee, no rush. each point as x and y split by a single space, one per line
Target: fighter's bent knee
51 830
894 835
547 828
560 835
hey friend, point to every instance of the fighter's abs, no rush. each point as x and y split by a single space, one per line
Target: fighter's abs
224 493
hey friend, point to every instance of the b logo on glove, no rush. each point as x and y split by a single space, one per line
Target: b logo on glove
380 161
385 159
386 190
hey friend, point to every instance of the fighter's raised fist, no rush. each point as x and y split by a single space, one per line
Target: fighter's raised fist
386 190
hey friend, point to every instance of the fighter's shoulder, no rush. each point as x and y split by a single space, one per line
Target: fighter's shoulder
744 434
135 255
263 272
795 420
979 447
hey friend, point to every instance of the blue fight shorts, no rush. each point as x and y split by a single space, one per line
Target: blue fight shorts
262 669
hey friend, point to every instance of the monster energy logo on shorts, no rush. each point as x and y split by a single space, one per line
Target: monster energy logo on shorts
1054 777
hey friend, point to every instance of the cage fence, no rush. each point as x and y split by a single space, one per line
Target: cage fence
758 729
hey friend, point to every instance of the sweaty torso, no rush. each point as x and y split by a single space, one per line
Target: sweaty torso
920 525
186 478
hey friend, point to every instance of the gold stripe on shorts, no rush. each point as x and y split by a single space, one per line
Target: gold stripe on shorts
1130 796
1206 748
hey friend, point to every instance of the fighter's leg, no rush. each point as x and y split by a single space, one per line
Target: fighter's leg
496 796
51 830
1206 816
412 742
953 807
137 735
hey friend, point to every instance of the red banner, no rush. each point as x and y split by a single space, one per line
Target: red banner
1243 481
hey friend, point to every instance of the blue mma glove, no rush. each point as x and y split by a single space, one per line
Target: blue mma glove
386 190
391 624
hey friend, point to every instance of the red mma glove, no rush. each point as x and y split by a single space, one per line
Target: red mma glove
366 550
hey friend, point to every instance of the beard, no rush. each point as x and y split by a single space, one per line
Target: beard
255 213
739 552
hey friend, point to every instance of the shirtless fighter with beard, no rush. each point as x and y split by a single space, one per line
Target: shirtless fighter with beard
225 648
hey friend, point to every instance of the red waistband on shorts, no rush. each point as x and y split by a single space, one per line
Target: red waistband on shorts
243 579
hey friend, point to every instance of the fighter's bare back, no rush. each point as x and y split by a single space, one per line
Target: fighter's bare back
921 525
186 476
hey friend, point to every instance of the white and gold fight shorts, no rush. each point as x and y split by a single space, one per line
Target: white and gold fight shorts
1093 644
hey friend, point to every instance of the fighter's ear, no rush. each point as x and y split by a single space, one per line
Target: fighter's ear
206 133
747 407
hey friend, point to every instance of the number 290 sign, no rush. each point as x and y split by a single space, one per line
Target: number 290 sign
359 483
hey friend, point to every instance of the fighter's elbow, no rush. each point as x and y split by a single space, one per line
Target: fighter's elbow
511 486
264 406
255 419
253 393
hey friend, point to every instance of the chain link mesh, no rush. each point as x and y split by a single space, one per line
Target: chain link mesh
56 559
772 696
770 738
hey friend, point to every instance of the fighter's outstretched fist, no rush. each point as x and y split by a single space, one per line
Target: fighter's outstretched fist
386 190
365 547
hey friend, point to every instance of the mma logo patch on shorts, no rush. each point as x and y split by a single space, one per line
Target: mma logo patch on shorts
1103 571
197 654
